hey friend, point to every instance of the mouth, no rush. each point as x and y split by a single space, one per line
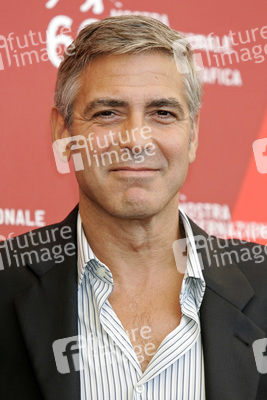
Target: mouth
134 171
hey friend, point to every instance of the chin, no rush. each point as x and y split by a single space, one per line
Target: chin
134 215
135 210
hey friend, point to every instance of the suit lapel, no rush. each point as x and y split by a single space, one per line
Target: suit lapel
227 333
48 312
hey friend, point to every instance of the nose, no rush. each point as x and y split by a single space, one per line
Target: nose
135 132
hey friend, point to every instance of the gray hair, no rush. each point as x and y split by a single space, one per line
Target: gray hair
127 34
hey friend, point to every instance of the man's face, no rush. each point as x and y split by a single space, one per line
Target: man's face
142 94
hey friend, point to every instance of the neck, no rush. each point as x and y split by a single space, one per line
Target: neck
132 248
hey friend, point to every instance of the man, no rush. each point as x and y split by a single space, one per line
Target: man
115 302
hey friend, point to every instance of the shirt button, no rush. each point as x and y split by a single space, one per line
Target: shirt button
140 388
101 272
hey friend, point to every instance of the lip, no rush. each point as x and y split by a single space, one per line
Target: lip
143 169
134 172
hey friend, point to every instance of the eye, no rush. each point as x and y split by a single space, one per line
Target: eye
105 113
164 117
164 113
107 117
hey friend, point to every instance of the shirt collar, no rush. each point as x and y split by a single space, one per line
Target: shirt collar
193 284
193 265
86 254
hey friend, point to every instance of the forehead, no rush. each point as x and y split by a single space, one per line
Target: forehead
136 76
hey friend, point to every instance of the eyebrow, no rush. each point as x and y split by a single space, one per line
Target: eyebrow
158 103
106 102
168 102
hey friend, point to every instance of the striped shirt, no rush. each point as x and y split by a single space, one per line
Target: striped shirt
109 367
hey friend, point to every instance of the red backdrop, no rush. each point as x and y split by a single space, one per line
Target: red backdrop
225 192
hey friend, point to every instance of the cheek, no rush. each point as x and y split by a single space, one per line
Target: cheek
173 141
176 152
87 147
99 140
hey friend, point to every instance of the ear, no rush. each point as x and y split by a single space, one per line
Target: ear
194 140
59 129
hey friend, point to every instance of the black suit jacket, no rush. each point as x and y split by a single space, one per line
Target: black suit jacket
39 305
